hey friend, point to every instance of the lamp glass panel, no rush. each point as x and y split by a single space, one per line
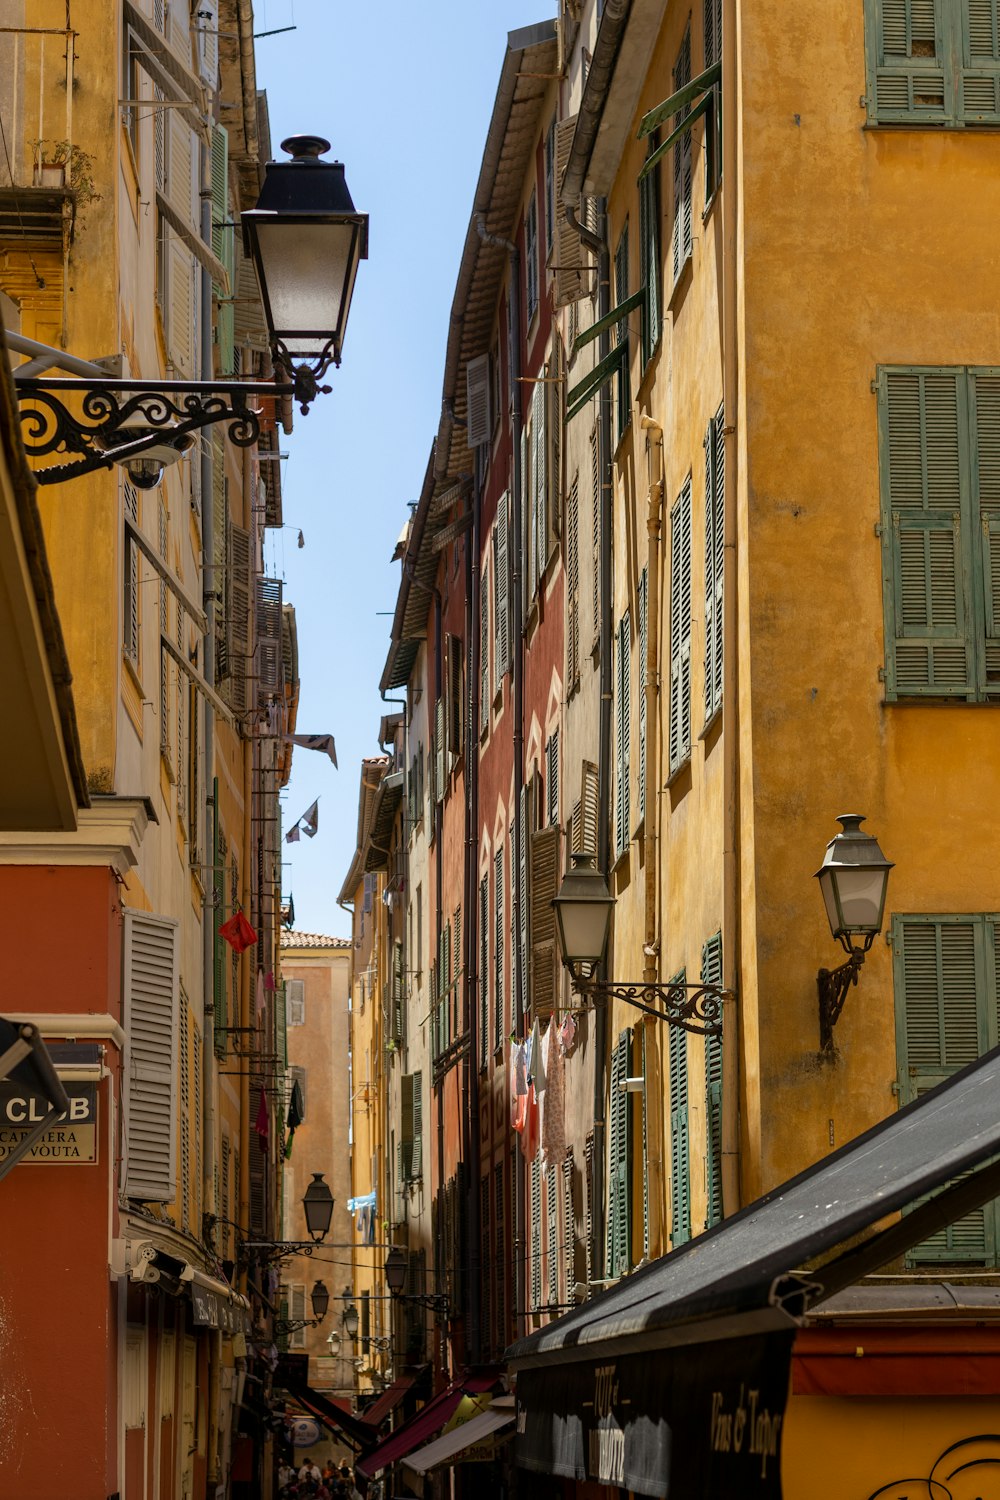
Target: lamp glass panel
351 1322
830 899
584 929
861 893
306 269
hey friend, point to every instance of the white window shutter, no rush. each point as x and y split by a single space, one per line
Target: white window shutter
208 41
572 262
151 1001
295 1001
477 376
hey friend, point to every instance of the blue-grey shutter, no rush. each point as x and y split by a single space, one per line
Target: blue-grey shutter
680 1164
908 42
924 435
980 86
944 977
711 973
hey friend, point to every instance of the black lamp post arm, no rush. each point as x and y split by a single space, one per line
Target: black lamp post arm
833 985
694 1007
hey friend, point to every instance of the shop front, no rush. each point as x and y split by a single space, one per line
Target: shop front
725 1369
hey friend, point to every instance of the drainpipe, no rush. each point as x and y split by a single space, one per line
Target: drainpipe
730 688
517 687
604 743
654 510
470 935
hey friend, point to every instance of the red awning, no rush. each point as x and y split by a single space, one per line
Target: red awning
420 1428
376 1414
330 1415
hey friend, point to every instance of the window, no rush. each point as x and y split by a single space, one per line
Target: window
130 611
552 776
680 1166
531 258
933 62
649 252
151 1024
623 732
711 973
623 405
295 1002
550 186
619 1235
713 32
939 435
715 484
945 985
682 238
680 629
543 880
484 651
411 1143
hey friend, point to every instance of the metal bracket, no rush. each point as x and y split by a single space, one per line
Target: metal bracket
833 986
694 1007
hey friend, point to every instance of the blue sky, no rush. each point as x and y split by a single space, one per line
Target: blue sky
404 93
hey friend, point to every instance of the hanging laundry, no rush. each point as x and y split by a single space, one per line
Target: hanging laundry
567 1034
259 998
536 1072
529 1135
553 1123
322 742
519 1067
295 1114
238 933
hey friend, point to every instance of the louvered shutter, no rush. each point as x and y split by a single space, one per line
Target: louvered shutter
297 1313
926 561
130 611
589 807
711 973
484 655
527 531
536 1233
643 602
571 259
543 881
151 1025
404 1153
498 947
502 591
477 385
523 898
980 83
552 776
595 476
680 1167
238 593
713 32
439 749
281 1024
539 476
985 396
623 733
623 378
552 1224
681 238
619 1249
680 629
484 970
398 995
223 247
573 584
500 1254
485 1261
417 1155
907 46
946 1016
268 653
649 254
208 42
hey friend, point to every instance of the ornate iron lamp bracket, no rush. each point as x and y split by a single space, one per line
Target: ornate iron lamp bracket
833 985
694 1007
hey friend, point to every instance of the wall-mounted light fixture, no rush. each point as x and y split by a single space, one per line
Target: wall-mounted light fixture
854 878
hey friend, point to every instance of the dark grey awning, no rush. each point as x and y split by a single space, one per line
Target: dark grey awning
25 1061
758 1270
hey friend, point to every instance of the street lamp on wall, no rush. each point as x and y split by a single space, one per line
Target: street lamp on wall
317 1204
395 1280
583 910
305 240
853 878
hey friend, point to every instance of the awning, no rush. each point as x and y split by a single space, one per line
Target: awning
374 1415
473 1442
332 1416
421 1427
24 1059
731 1299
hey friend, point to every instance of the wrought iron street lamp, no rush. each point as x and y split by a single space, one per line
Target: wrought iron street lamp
305 239
583 910
853 878
317 1202
320 1299
395 1280
351 1321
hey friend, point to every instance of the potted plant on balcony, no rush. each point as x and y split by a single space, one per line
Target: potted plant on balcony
60 164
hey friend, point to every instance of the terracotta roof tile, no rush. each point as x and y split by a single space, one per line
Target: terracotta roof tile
312 940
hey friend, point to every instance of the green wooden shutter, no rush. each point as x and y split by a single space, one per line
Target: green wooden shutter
926 553
680 1163
680 629
619 1250
641 1042
714 560
682 240
944 977
404 1153
985 399
711 973
623 733
622 381
907 43
649 254
280 1025
980 79
543 882
643 646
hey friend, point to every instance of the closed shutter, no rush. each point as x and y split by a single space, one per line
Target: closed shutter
296 1002
477 387
573 585
281 1024
572 265
643 602
588 1209
223 247
543 880
484 653
484 970
595 479
642 1047
185 1109
238 620
455 697
498 947
417 1154
649 253
713 32
130 611
589 808
500 1253
297 1312
552 776
539 479
714 559
502 590
268 654
680 1166
711 973
398 995
404 1155
681 240
622 379
980 87
552 1224
208 42
151 1006
680 629
926 549
568 1224
523 898
536 1234
440 775
944 977
623 732
985 398
907 43
619 1248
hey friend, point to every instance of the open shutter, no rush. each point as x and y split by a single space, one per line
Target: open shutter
539 476
522 897
536 1232
907 43
552 776
643 669
945 1018
572 263
711 973
680 1165
714 560
477 385
268 652
439 749
498 947
622 379
239 616
680 629
281 1024
681 242
926 566
501 590
986 471
484 655
589 808
151 1026
573 584
649 255
484 970
223 247
980 84
622 733
208 48
417 1152
619 1162
543 882
404 1154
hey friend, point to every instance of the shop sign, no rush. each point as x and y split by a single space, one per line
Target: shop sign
212 1311
73 1139
701 1419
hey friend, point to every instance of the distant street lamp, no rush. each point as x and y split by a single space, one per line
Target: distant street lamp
395 1280
320 1299
351 1321
318 1205
853 878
